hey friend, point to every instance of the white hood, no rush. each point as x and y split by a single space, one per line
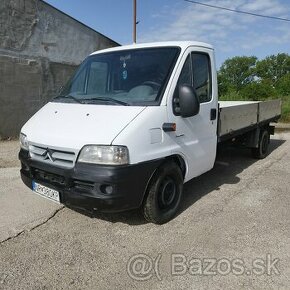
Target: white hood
75 125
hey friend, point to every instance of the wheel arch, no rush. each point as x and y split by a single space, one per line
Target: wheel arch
178 159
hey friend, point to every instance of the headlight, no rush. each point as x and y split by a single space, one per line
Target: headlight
109 155
23 141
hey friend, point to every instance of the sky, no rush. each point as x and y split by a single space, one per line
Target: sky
230 33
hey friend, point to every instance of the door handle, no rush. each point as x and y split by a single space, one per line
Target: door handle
213 114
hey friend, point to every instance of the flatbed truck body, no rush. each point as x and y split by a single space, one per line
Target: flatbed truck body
238 117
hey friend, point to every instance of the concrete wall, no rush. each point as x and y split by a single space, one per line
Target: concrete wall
40 47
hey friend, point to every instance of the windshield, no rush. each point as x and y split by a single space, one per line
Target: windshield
128 77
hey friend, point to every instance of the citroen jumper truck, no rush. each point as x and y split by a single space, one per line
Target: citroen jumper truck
133 125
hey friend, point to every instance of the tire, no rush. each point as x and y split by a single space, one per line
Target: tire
163 194
262 151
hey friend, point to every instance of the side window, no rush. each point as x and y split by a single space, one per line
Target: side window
185 78
201 76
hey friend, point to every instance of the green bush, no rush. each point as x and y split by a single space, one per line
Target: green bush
258 91
231 95
283 85
285 109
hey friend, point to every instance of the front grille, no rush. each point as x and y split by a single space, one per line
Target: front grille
59 180
48 177
52 156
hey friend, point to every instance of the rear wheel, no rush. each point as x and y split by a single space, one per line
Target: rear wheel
263 146
164 194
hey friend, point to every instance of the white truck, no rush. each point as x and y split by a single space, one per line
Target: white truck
133 125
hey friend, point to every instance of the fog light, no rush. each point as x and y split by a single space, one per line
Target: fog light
107 189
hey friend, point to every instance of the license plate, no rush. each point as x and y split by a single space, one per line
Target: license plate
46 192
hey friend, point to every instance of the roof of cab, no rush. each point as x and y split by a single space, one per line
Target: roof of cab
182 44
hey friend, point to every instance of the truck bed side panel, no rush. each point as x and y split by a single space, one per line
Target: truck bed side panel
269 109
234 117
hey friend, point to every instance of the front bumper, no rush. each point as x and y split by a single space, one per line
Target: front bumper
83 186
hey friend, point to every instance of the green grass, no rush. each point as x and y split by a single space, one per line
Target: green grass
285 109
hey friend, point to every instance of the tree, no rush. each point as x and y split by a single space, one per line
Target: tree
237 72
273 67
283 85
258 91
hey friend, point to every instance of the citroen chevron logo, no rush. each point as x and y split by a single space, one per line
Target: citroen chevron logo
47 154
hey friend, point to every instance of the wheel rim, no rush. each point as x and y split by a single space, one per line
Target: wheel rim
167 194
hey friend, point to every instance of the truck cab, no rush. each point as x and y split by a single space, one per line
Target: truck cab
132 125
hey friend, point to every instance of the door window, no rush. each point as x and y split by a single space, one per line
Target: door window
196 73
185 78
201 76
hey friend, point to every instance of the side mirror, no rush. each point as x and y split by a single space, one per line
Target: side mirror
188 101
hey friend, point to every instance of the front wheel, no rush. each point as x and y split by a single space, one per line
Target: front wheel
163 194
262 150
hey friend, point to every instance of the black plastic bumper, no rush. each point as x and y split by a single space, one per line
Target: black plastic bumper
84 186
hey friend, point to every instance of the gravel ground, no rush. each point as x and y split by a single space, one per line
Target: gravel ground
237 212
9 154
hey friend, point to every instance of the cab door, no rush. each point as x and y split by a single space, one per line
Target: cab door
195 137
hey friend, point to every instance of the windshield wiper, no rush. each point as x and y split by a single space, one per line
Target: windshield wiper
69 97
107 99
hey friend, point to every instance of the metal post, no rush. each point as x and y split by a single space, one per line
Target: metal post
134 20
